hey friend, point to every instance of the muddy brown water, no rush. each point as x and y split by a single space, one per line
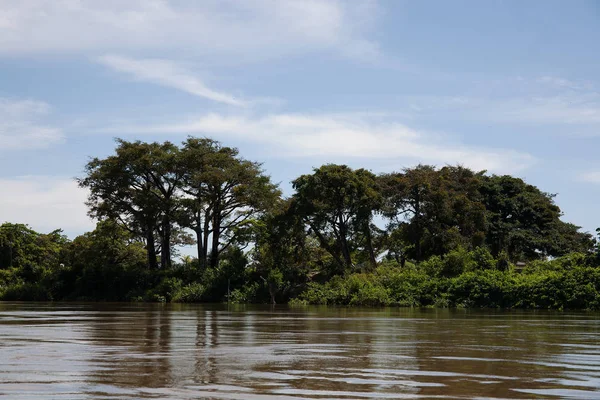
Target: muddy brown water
153 351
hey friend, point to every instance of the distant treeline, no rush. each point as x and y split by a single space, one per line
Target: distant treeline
422 236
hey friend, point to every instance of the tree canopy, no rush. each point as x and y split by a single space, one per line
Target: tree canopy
252 243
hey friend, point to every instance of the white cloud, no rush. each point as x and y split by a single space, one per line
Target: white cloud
590 177
573 109
45 203
341 135
167 73
248 30
20 127
561 109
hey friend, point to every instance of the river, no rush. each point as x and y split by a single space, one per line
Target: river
154 351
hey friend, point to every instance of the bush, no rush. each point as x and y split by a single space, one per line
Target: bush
168 287
25 292
480 289
248 293
456 262
574 288
433 266
384 287
483 259
192 293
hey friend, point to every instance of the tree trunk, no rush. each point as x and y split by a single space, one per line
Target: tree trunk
165 253
344 244
326 246
204 258
369 246
199 248
214 251
150 248
200 241
216 234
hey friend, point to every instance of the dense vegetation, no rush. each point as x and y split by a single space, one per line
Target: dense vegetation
423 236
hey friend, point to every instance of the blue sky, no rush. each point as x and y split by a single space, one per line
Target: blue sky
507 86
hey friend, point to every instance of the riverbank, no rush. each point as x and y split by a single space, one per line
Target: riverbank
576 288
462 280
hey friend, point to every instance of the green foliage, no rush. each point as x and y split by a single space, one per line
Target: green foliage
168 288
192 293
105 264
26 291
386 286
9 277
525 222
456 262
433 211
249 293
575 288
483 259
21 247
479 289
425 236
337 203
225 195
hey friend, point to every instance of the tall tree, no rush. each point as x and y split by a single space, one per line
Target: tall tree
525 222
138 186
433 211
284 255
338 204
408 200
224 194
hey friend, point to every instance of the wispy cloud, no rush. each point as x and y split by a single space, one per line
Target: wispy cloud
545 101
245 31
167 73
20 126
590 177
570 109
341 135
45 203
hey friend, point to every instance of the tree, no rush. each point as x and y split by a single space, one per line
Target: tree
337 203
21 247
224 194
108 244
433 211
139 187
525 222
284 255
409 200
104 264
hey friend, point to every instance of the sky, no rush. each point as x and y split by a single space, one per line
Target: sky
510 87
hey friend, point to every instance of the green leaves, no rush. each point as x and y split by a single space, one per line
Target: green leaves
21 246
525 222
227 194
337 204
157 189
446 236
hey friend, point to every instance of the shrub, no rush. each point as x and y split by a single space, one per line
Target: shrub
479 289
25 292
192 293
483 259
456 262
